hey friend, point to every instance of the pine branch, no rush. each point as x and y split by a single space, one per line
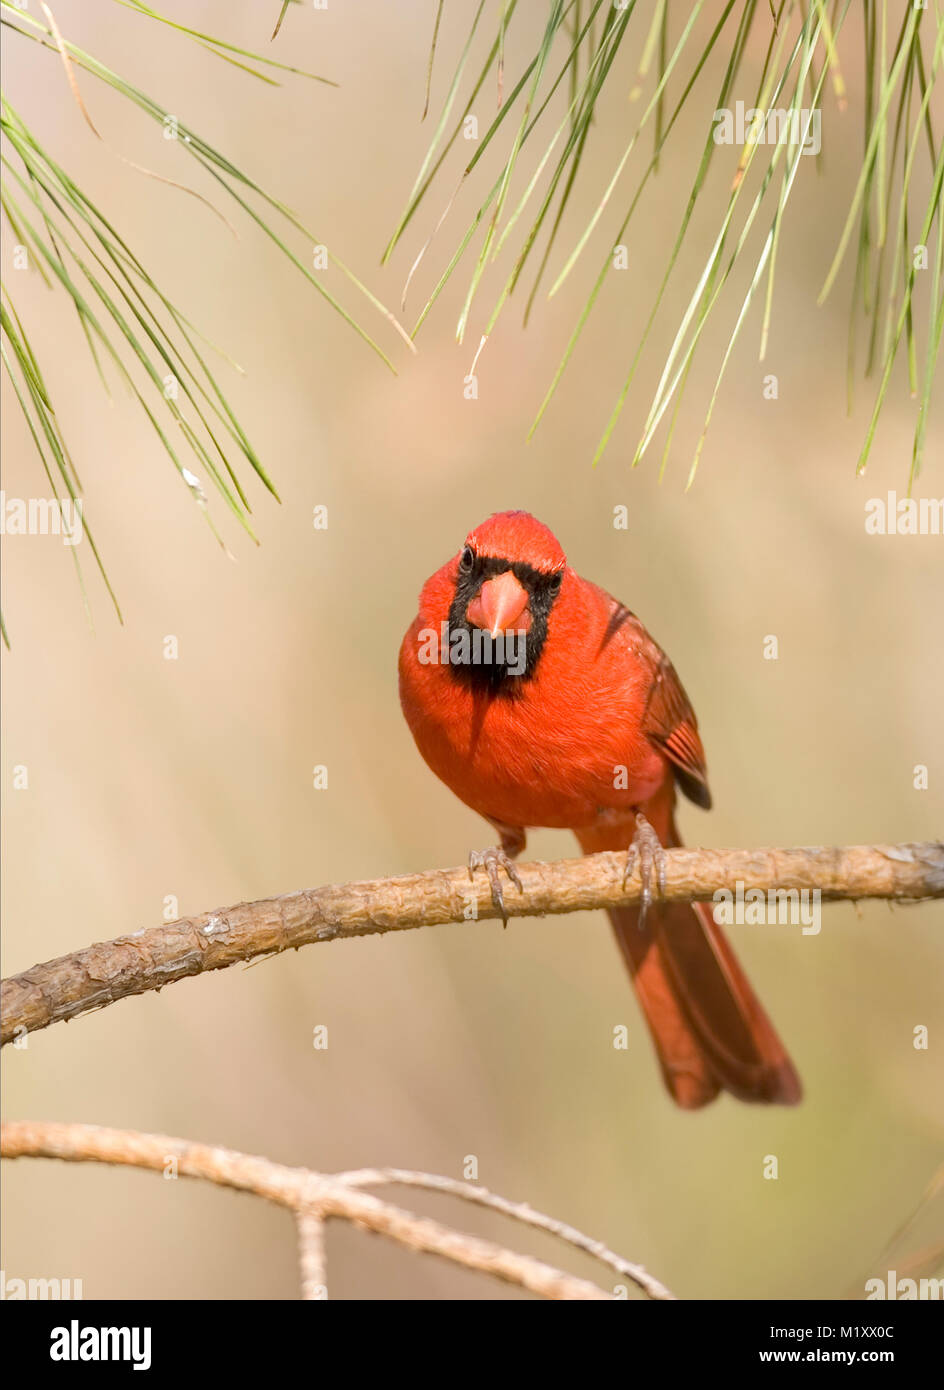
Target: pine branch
151 959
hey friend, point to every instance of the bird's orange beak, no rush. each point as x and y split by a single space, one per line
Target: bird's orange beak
501 605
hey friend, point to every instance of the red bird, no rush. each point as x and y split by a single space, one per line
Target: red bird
541 701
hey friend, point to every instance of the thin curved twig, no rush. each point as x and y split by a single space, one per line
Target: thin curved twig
315 1198
518 1211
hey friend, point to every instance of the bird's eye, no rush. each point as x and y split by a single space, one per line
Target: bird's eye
555 581
466 559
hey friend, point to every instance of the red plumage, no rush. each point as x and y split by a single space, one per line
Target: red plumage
596 729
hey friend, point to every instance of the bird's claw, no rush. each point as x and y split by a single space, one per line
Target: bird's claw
646 849
491 860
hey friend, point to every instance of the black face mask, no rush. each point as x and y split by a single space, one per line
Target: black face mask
495 664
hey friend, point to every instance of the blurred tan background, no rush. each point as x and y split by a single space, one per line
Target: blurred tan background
193 777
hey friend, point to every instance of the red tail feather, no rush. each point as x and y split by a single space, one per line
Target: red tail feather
710 1030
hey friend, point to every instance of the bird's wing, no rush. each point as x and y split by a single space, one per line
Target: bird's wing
668 718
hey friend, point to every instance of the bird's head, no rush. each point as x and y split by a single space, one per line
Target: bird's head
508 576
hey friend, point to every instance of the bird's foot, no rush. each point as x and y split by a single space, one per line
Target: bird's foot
491 860
646 849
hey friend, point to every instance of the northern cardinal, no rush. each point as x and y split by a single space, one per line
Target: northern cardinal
542 701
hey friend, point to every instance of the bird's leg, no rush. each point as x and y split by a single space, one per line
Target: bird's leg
646 848
500 857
